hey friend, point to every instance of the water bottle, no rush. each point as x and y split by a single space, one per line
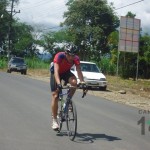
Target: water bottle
62 101
64 107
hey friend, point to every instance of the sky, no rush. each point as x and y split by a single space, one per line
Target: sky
49 13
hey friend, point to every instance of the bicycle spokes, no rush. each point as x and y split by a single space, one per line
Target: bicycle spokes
71 121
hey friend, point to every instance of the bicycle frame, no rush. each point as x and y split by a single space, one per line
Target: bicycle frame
61 94
65 115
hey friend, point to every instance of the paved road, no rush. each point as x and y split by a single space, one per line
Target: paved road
102 124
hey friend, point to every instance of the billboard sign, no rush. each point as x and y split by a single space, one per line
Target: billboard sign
129 34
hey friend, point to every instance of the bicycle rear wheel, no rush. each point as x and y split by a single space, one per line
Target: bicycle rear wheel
71 120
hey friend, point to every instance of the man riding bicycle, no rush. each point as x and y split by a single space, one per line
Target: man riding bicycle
60 70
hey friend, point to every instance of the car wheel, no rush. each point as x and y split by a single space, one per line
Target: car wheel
25 72
8 71
103 88
89 88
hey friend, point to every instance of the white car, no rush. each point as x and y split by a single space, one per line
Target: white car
92 75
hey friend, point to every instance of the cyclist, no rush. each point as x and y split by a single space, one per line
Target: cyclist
60 70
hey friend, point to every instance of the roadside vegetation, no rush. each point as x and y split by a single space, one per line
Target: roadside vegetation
36 63
32 63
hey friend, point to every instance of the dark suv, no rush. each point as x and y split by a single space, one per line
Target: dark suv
17 64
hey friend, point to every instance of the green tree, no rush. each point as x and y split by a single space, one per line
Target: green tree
144 60
50 39
22 41
5 19
4 25
62 36
90 22
130 14
113 39
47 41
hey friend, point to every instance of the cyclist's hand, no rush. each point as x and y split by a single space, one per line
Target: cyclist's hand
83 85
59 87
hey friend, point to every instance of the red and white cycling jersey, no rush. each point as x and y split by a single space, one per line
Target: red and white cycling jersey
64 65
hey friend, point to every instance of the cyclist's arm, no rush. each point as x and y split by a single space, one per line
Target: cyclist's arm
56 73
79 72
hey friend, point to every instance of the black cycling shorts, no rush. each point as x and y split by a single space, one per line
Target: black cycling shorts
65 76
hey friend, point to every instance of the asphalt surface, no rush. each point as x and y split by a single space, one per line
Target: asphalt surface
25 120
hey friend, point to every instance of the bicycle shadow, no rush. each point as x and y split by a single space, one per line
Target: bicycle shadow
90 138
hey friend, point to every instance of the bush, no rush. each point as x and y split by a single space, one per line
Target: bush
3 63
124 72
128 71
36 63
107 67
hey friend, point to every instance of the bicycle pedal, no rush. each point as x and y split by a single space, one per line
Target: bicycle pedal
57 129
70 109
63 119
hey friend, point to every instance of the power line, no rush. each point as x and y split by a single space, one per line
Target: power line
129 5
37 4
49 14
58 8
42 12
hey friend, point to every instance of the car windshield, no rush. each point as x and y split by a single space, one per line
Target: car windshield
17 60
89 67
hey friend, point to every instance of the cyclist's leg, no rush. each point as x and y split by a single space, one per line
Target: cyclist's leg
54 104
69 77
54 101
73 82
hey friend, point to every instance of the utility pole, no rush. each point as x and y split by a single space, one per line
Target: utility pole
10 28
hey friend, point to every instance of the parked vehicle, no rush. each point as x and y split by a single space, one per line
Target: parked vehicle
92 75
17 64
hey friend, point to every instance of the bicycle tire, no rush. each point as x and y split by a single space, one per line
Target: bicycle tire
71 119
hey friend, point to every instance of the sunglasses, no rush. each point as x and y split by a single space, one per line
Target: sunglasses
71 54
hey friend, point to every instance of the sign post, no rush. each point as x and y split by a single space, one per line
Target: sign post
129 37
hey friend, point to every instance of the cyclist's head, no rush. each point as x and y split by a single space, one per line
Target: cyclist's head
71 49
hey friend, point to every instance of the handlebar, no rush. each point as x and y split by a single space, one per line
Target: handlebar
69 86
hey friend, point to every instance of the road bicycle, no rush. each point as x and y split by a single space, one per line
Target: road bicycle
67 111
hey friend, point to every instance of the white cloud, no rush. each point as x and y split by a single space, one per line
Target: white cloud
41 11
51 11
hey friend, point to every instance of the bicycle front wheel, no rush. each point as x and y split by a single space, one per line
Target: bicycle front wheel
71 120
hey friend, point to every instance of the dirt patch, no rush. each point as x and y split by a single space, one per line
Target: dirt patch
128 98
